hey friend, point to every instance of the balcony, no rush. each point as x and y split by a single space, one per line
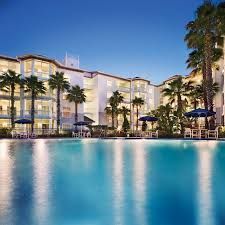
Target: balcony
47 96
89 86
140 89
5 114
6 95
42 114
123 88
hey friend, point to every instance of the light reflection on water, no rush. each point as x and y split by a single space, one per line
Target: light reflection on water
206 214
118 179
6 181
42 179
139 180
132 199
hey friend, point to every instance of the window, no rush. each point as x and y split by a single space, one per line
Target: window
109 94
41 68
109 83
8 65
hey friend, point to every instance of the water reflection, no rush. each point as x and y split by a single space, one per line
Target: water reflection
6 167
139 179
118 182
42 176
205 204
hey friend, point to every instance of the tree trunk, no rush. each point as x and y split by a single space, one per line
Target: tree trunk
12 110
32 111
76 114
179 112
58 110
112 118
137 119
205 99
209 79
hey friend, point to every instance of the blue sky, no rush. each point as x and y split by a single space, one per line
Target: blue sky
122 37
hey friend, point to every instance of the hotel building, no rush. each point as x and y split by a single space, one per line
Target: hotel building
98 87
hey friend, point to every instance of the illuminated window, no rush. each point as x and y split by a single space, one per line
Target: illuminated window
3 66
27 66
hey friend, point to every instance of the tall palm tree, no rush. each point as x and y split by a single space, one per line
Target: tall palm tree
204 35
196 95
137 102
177 92
35 87
9 81
76 95
59 83
114 101
125 111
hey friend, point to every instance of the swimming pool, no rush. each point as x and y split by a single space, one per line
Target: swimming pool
112 182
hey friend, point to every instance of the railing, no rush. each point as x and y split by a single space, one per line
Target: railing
89 86
122 88
6 113
140 89
4 93
41 113
46 95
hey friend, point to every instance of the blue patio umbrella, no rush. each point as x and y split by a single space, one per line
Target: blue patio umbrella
148 119
197 113
23 121
81 123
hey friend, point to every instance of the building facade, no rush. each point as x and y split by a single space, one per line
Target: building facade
98 86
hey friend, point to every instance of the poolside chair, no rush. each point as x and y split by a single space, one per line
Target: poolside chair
195 133
23 135
15 134
33 135
75 135
213 133
203 133
148 134
187 133
88 134
155 134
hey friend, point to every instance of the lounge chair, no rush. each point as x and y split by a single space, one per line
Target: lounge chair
155 134
75 135
213 133
15 134
195 133
187 133
23 135
88 134
33 135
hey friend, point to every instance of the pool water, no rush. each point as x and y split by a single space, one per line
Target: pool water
112 182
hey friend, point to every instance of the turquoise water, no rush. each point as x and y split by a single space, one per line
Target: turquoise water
112 182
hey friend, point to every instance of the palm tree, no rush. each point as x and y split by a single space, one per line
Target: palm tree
35 87
166 118
59 83
76 95
204 37
114 101
137 102
9 81
176 92
125 111
196 95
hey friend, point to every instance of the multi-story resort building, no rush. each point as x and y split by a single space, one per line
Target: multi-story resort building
98 87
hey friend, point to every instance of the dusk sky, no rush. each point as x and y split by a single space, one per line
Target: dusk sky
123 37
